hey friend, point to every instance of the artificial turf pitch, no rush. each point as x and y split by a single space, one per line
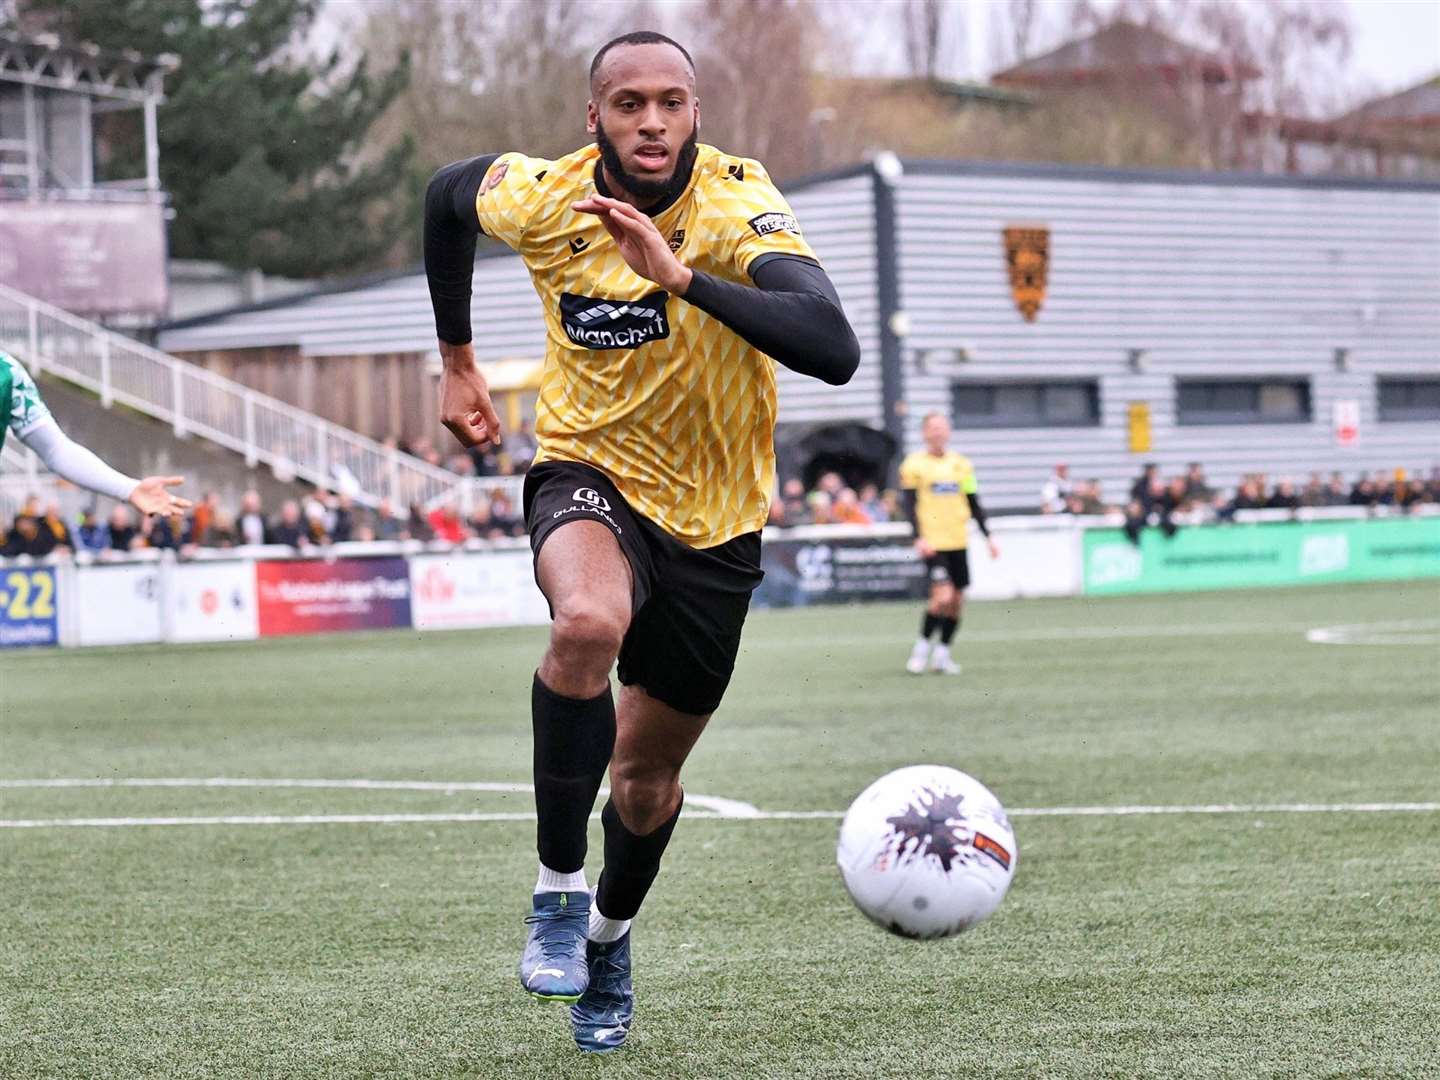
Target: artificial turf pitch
1258 943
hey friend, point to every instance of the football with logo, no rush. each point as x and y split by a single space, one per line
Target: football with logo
927 851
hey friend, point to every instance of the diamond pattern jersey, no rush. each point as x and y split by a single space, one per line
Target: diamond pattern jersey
676 408
941 483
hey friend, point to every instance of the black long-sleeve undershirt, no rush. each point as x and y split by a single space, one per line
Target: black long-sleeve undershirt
793 315
912 514
451 232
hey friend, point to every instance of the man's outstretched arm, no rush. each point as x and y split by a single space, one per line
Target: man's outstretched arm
73 462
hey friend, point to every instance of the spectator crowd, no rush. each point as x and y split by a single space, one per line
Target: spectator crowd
318 520
324 517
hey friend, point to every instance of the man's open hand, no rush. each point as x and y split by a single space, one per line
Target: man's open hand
152 497
640 243
465 407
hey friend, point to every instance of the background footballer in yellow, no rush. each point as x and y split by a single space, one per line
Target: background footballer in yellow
942 497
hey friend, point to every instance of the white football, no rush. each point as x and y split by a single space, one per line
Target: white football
927 851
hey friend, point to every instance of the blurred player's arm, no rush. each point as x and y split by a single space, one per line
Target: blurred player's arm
972 495
910 499
451 230
71 461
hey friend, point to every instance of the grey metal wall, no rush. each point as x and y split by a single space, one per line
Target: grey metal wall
1208 279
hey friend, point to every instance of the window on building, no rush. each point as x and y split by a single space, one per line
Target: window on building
1409 399
1243 401
1025 404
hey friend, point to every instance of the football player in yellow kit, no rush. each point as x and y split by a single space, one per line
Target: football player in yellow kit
941 498
673 276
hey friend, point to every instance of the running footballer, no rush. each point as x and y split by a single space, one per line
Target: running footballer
673 276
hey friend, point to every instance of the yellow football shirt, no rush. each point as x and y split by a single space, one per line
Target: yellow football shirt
672 405
941 484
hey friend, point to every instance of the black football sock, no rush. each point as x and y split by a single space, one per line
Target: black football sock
573 742
631 862
929 625
947 630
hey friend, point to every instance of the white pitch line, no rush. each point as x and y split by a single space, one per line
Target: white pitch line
721 806
759 815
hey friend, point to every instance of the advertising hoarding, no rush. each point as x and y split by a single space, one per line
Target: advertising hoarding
1255 556
314 596
450 592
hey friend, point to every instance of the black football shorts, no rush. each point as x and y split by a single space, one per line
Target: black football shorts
688 604
952 566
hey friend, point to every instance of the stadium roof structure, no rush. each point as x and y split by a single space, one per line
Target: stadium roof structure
46 61
1417 107
1122 49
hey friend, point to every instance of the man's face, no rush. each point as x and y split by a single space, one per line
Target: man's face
645 117
936 432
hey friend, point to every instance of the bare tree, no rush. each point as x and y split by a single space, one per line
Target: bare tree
756 60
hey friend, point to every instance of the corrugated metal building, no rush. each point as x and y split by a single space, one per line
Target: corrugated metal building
1238 315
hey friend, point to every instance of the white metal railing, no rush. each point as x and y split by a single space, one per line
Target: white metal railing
292 442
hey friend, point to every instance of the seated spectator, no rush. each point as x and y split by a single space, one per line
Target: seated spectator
93 536
792 492
1283 497
1085 498
1147 487
1248 496
445 524
1314 493
418 527
873 505
1055 492
1335 493
222 531
504 515
122 532
342 520
28 536
1197 489
481 523
163 533
1384 488
830 483
1364 493
388 524
289 528
202 517
890 500
820 507
54 522
847 509
520 447
252 525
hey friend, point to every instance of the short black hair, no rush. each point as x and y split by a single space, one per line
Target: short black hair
638 37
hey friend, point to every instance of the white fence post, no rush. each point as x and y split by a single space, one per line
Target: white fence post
106 397
177 400
251 454
32 318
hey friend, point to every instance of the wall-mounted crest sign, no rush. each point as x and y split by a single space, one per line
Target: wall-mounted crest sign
1027 257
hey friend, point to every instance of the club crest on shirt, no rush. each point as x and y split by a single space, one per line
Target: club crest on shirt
494 176
774 221
677 239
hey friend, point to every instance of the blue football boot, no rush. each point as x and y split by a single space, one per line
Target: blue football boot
601 1018
553 966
